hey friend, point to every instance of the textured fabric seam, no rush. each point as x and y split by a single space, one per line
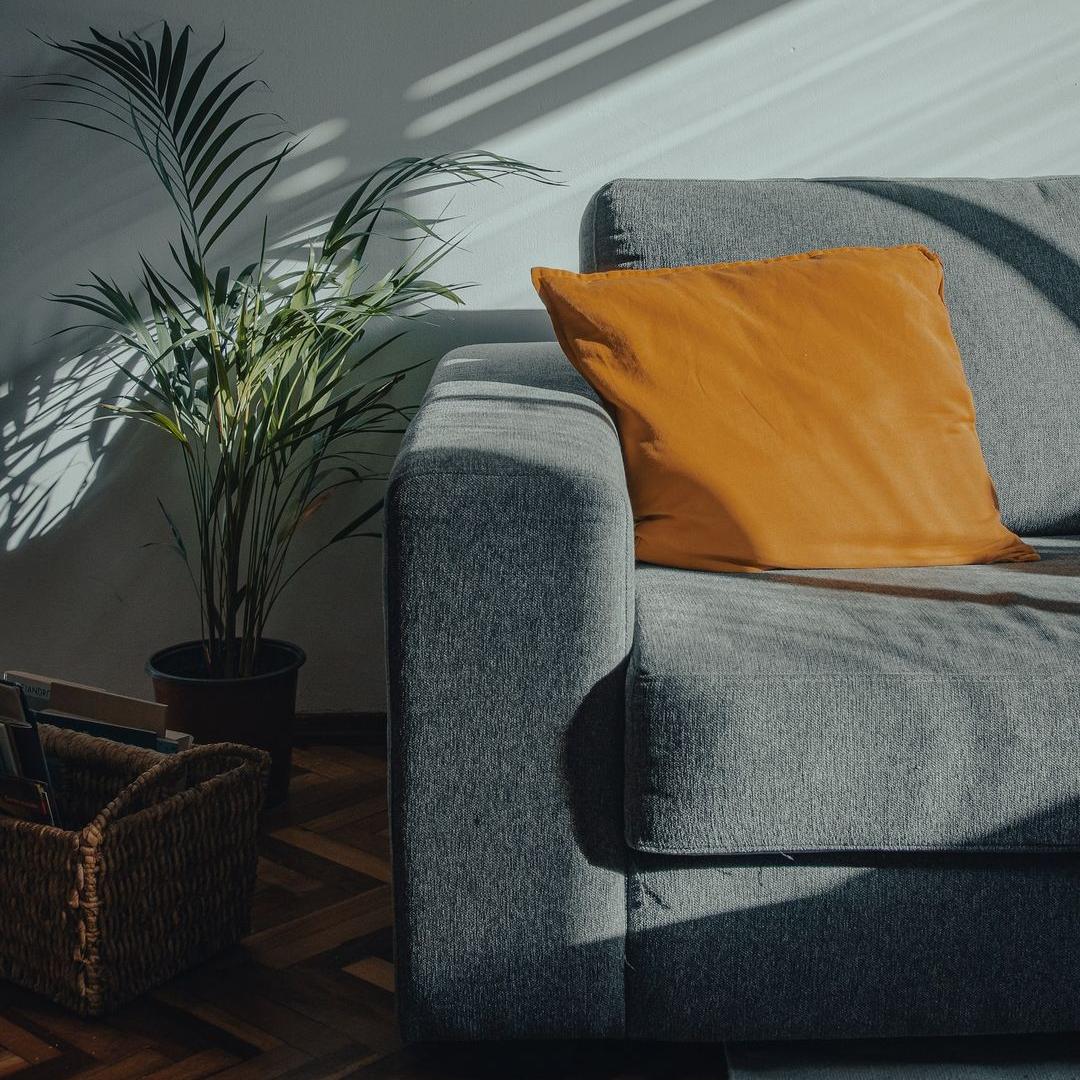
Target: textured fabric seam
539 470
658 181
592 231
663 271
756 679
713 849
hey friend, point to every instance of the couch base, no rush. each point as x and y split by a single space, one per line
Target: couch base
778 948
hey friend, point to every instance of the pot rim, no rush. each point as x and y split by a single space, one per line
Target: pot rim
299 658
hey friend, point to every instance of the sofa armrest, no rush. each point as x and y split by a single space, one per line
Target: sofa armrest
509 581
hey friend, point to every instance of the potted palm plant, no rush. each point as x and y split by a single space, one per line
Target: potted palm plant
267 379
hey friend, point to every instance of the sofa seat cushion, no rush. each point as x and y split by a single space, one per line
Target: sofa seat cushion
934 708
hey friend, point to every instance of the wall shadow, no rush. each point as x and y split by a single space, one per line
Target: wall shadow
1036 258
539 69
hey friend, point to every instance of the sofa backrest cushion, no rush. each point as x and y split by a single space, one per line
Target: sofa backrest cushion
1011 251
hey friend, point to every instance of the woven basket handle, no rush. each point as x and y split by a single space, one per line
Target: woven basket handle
153 786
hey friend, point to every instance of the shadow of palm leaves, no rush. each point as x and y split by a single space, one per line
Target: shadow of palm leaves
54 439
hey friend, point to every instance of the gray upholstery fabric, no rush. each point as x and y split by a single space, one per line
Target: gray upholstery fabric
510 596
1011 250
823 947
871 710
509 592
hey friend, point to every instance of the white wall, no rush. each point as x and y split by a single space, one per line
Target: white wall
595 89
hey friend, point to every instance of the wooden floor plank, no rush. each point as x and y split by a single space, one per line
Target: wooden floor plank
317 995
275 907
267 1066
144 1063
272 873
11 1063
318 920
221 1019
361 810
205 1063
341 761
334 850
18 1039
327 871
296 1030
335 1066
101 1040
328 765
374 970
371 834
376 912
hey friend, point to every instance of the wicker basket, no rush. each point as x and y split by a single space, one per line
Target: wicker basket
128 896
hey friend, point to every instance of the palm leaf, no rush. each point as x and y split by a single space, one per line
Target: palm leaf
183 123
192 86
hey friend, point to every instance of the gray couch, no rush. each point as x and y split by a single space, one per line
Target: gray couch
636 801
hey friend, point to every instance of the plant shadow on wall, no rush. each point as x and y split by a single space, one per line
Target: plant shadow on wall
50 452
577 50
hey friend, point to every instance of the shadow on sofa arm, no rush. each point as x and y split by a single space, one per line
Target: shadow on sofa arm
509 589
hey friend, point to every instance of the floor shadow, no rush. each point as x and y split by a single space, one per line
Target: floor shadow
1030 1057
556 1059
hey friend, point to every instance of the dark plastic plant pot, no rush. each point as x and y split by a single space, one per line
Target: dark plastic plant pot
257 710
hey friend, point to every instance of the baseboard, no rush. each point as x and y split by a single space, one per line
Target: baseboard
349 728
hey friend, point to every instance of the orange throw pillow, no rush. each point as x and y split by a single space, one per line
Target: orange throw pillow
806 411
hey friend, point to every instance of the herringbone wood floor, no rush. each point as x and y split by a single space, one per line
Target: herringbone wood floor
310 993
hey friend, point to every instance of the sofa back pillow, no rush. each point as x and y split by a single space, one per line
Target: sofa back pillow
1012 250
808 411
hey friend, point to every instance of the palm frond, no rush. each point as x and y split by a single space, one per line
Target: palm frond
152 96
